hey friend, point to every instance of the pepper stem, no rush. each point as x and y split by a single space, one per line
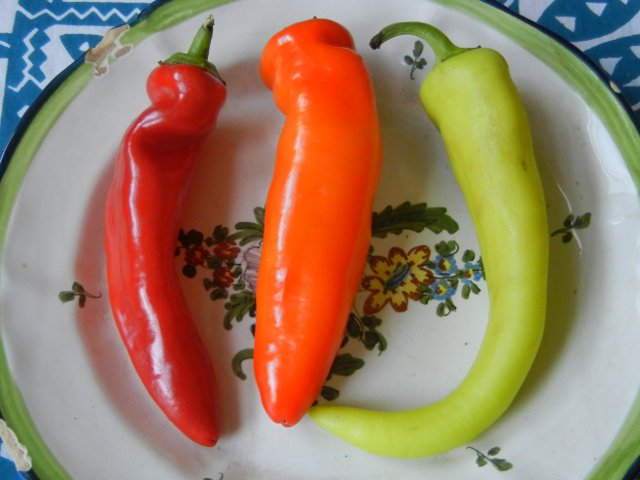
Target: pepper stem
202 41
442 47
198 52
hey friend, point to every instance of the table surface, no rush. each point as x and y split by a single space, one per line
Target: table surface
40 38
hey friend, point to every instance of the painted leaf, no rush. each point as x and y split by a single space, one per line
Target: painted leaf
345 364
248 232
414 217
329 393
501 464
239 305
236 362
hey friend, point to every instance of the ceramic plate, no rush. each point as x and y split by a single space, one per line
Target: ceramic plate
68 390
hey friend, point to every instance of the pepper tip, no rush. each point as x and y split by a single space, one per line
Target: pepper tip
376 41
209 23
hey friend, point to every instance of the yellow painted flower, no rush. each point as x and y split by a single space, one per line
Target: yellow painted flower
396 278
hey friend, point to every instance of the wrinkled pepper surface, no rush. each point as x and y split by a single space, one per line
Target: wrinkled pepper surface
318 211
153 169
470 97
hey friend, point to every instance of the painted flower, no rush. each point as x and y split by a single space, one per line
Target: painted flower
223 276
226 250
442 290
196 255
396 278
472 272
252 261
445 265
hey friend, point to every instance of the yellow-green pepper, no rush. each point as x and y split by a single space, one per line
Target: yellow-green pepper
470 97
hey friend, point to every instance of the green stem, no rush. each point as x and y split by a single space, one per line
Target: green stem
442 47
202 41
198 52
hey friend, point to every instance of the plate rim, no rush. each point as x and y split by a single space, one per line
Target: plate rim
590 82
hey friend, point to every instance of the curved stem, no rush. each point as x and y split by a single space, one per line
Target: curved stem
442 47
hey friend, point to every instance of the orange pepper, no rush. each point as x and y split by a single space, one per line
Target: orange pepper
318 211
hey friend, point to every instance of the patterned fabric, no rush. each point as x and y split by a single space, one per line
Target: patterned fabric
39 38
607 31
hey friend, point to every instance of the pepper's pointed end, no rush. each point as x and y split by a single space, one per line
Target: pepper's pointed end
326 417
207 436
285 419
207 442
376 41
209 23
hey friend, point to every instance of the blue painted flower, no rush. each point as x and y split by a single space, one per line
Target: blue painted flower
442 290
445 265
472 272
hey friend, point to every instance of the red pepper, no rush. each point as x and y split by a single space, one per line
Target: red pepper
318 211
153 169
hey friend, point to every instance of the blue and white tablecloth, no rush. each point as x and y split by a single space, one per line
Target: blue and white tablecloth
39 38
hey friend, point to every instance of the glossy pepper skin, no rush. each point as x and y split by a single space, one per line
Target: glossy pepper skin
472 100
318 211
153 169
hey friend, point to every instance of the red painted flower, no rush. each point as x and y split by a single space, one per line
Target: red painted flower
226 250
396 278
196 255
223 276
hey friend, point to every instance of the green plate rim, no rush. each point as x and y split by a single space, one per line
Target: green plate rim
572 65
